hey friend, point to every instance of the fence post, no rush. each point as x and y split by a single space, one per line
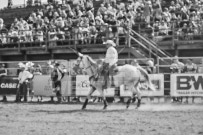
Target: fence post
128 37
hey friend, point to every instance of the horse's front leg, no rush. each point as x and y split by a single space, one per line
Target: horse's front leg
88 97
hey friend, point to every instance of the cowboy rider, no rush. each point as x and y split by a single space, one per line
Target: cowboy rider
110 61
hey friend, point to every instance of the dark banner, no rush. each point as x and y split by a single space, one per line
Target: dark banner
8 85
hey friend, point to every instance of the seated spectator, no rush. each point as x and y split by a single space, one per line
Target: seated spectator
52 39
101 9
149 31
147 11
163 28
60 34
92 33
166 15
176 66
13 34
190 67
39 35
28 33
15 24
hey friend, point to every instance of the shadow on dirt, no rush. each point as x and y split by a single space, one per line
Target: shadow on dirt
79 111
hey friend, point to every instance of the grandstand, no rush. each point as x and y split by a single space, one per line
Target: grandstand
142 29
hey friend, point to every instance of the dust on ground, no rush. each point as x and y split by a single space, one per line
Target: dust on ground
69 119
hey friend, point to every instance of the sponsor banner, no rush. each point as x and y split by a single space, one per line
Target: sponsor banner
8 85
157 80
42 85
66 87
186 84
83 87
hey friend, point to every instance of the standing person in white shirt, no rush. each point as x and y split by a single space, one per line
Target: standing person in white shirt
23 77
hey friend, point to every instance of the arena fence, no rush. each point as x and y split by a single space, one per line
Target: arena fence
74 85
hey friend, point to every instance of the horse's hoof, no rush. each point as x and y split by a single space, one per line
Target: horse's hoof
137 107
127 106
83 108
105 107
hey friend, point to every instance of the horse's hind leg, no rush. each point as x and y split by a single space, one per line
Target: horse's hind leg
138 95
131 98
88 97
128 102
104 99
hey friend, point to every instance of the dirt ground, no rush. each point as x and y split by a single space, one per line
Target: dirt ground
69 119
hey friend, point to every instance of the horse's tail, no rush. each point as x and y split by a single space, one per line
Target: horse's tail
146 75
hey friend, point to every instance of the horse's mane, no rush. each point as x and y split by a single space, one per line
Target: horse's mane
91 60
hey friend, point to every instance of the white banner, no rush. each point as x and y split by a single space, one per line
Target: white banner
83 87
186 84
157 80
66 86
42 85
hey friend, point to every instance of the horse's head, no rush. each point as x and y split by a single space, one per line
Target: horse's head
86 64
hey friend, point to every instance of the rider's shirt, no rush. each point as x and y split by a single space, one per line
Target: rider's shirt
111 56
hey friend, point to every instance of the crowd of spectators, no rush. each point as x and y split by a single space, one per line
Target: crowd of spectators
82 22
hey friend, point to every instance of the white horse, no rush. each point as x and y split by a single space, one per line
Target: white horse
125 75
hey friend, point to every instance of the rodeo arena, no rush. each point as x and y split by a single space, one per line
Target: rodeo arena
105 67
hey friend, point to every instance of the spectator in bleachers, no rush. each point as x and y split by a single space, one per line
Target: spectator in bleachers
132 13
190 67
163 28
176 66
147 11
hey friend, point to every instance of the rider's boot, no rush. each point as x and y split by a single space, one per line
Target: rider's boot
105 104
85 104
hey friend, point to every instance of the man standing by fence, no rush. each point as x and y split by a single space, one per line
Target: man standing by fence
3 72
23 77
56 75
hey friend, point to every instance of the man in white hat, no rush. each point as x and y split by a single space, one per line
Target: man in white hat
23 77
110 61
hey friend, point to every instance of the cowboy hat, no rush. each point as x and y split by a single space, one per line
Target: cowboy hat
29 64
110 42
21 65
